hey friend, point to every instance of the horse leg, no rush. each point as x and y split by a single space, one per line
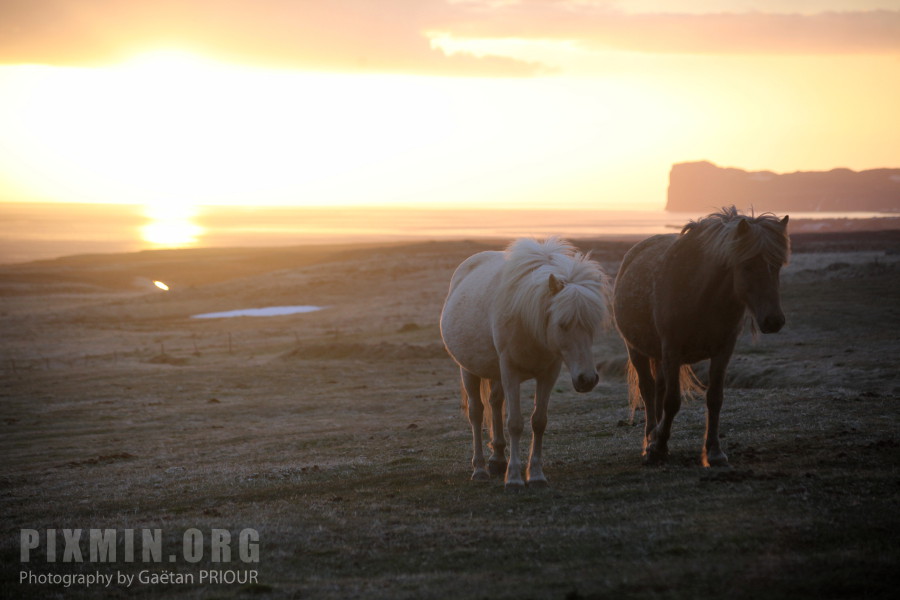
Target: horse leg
647 387
713 456
497 461
515 425
669 391
544 386
472 388
660 390
654 451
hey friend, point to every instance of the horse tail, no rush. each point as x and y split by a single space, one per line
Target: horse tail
689 385
634 390
485 402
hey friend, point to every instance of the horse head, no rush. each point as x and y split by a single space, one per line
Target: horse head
757 274
572 329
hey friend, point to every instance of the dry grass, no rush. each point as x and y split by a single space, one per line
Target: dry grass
337 435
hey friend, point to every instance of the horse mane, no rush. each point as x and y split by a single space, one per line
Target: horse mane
716 234
525 295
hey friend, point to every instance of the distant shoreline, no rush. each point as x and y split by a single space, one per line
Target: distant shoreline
185 268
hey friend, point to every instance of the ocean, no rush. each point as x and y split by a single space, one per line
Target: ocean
37 231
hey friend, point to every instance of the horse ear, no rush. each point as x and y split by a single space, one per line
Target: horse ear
784 221
743 227
556 285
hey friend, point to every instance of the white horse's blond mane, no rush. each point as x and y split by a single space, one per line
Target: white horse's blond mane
525 293
717 234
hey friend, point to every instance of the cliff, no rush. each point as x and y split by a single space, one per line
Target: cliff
703 186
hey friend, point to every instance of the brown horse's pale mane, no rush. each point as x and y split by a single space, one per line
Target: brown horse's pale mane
525 292
717 235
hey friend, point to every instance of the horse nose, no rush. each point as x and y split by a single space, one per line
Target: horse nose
585 382
772 323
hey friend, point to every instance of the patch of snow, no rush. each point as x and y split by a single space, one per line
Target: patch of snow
269 311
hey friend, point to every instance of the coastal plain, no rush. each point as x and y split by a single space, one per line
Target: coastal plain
337 434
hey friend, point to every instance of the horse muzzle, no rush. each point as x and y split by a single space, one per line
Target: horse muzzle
585 382
772 323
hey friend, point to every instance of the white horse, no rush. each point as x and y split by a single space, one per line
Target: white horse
518 315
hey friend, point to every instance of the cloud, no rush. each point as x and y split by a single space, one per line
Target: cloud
350 35
392 35
597 25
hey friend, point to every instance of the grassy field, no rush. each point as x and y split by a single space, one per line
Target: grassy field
337 436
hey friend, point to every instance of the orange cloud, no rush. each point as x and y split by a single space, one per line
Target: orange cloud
351 35
391 35
595 25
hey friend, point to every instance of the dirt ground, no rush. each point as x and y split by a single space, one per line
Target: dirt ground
336 436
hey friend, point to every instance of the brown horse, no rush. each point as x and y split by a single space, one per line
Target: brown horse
681 298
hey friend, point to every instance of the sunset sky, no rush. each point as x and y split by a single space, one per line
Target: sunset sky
534 103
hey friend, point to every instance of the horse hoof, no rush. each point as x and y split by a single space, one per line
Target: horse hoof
480 475
716 459
496 468
654 457
514 486
538 484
